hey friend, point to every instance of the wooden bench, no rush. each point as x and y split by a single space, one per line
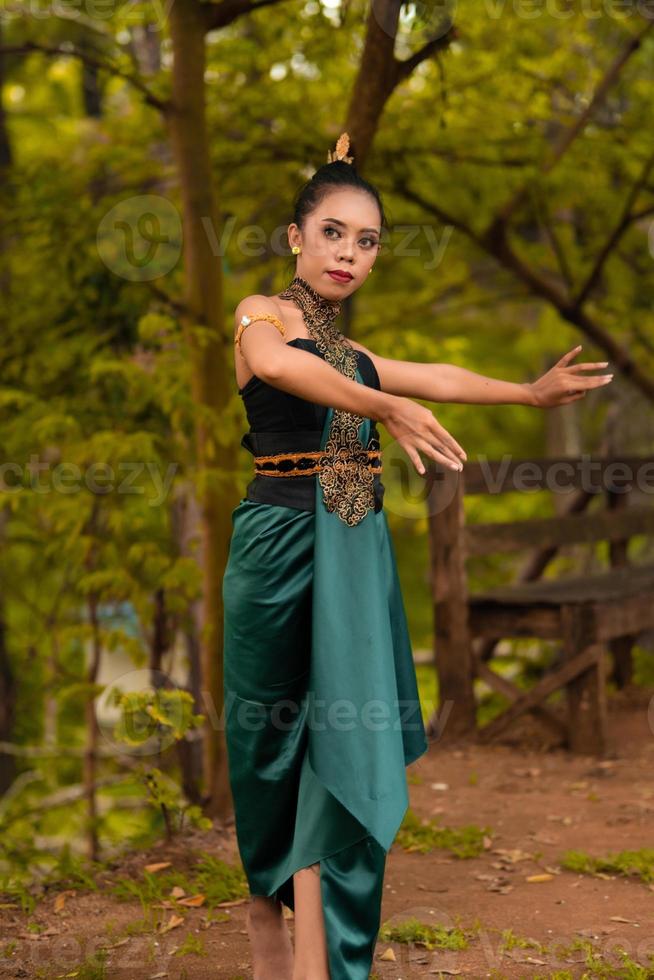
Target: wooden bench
595 612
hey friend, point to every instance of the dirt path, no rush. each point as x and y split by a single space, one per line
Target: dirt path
538 804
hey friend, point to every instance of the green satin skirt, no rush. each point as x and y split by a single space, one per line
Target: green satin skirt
322 709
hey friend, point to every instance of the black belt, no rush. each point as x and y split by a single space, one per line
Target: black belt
306 463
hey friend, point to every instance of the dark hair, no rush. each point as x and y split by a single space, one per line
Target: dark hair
329 177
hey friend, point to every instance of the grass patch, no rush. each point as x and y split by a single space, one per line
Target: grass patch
141 927
431 937
211 877
632 864
93 968
509 940
192 946
598 963
425 836
67 871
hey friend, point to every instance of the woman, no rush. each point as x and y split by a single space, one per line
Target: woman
321 698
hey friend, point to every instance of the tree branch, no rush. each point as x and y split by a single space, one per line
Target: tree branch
75 51
404 68
626 219
555 244
221 14
495 242
572 132
645 213
401 187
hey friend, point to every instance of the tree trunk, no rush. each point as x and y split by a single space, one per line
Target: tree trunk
7 681
210 383
7 709
91 728
375 78
185 521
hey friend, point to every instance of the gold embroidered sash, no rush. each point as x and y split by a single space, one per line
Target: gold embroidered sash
345 474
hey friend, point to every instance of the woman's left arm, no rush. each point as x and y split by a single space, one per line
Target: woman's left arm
449 383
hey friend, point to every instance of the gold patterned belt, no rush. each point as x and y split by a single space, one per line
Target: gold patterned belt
306 463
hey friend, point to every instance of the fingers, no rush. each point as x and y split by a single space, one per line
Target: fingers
568 357
429 450
443 455
584 383
587 366
415 459
448 441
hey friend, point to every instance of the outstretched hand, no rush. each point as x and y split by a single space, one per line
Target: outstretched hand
564 382
417 429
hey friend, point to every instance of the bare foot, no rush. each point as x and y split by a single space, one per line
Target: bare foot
270 940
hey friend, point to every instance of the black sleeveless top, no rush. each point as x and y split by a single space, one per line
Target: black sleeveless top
281 422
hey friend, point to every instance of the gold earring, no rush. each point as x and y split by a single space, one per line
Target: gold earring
369 271
296 250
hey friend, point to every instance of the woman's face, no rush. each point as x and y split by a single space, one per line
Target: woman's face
342 235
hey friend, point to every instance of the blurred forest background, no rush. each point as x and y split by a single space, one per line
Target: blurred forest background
149 158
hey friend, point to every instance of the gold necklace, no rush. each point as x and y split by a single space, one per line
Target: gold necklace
344 474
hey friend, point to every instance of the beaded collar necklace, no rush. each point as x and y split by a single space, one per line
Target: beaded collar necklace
317 307
345 474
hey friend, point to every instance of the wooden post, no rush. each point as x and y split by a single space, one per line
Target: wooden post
452 642
621 646
586 693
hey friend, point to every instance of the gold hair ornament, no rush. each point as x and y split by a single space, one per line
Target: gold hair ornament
340 153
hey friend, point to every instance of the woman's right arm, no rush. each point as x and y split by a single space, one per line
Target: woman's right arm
303 374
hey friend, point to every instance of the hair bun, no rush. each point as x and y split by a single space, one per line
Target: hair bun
340 153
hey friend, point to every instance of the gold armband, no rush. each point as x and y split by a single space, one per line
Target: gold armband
247 320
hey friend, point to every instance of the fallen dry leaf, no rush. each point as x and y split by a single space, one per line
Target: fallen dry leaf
512 854
536 879
173 922
194 901
153 868
177 892
389 955
60 900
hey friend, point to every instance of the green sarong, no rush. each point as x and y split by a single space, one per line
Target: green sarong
322 709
